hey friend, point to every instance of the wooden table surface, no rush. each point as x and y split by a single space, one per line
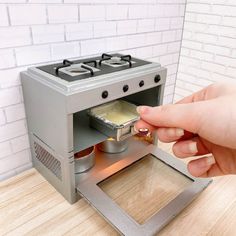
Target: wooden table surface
29 205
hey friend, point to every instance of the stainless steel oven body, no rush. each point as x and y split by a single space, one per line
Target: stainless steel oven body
59 127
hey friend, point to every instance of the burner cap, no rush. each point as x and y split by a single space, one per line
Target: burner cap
76 69
116 61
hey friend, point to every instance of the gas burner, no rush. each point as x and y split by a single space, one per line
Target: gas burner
116 61
78 69
69 68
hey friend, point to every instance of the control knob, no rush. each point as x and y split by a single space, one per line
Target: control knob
157 78
125 88
141 83
104 94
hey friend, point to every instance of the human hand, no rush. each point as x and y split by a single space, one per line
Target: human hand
203 123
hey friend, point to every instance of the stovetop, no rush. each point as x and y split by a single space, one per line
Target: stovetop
88 68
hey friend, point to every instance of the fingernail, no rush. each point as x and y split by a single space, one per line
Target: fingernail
142 109
173 132
179 132
206 161
210 160
192 147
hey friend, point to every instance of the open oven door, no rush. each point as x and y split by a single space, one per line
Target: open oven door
164 171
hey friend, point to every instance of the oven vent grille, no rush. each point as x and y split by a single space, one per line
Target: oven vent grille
50 162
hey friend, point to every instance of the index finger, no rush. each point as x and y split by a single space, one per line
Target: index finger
186 116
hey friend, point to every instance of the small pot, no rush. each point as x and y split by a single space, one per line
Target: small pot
84 160
113 146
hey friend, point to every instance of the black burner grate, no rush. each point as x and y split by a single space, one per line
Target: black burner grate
114 60
125 62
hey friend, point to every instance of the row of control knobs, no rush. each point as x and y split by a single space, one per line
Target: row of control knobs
126 87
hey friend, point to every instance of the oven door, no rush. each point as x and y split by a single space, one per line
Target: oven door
151 189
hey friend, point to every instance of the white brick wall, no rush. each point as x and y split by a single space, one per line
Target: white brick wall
47 34
27 14
3 16
44 31
7 59
63 13
14 36
208 47
79 31
92 13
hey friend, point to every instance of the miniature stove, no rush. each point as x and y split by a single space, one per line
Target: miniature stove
59 99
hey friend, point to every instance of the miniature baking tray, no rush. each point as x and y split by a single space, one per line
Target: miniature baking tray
100 119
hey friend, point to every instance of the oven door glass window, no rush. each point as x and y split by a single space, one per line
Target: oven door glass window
142 192
145 187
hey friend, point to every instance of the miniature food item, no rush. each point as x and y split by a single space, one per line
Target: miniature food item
119 117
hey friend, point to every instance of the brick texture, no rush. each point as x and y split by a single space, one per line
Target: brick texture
33 32
209 43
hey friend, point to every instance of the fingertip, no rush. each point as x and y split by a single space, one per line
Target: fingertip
169 134
142 109
174 132
179 132
195 170
199 167
185 116
186 148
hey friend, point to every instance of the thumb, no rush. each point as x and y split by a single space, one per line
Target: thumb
186 116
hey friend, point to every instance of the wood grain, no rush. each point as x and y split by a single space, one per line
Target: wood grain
29 205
